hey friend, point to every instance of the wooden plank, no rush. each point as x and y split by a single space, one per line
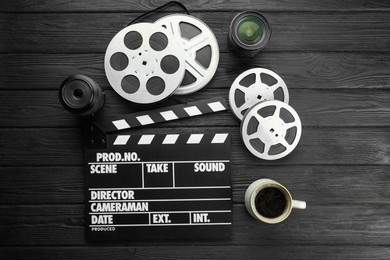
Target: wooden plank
198 252
211 5
323 70
341 108
47 185
316 184
330 224
333 146
91 32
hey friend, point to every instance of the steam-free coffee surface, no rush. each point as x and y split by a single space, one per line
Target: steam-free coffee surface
270 202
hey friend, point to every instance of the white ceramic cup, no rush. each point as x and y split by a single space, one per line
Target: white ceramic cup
256 187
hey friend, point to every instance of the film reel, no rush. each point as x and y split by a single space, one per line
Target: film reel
256 85
201 50
144 64
271 129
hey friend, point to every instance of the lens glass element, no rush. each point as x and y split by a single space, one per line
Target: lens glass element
250 30
77 93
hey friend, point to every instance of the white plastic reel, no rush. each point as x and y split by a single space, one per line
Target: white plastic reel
144 63
201 50
271 129
256 85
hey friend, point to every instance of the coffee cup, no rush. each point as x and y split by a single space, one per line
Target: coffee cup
269 201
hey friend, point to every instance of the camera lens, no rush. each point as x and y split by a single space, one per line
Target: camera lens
249 33
77 94
250 30
81 95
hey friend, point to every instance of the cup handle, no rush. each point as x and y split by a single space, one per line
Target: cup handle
298 204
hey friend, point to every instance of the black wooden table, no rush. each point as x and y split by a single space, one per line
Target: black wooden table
334 57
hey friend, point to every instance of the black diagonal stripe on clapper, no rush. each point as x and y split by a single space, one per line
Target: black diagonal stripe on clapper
107 126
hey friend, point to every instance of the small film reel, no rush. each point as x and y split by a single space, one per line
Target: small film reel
271 129
201 50
256 85
144 64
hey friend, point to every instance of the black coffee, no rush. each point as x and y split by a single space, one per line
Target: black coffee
270 202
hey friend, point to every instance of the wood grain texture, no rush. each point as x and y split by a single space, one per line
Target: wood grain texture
341 108
328 146
64 225
320 185
204 5
314 70
198 252
293 31
334 57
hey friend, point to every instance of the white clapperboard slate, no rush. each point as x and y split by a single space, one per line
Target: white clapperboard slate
164 186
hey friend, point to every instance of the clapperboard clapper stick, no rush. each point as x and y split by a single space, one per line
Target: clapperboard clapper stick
158 186
96 130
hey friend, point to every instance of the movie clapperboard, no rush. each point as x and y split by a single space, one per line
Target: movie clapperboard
158 186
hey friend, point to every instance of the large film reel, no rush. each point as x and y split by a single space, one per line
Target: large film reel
201 50
256 85
144 64
271 129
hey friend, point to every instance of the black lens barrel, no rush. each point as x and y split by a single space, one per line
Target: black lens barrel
81 95
241 48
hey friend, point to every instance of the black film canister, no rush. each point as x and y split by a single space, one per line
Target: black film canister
249 32
81 95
